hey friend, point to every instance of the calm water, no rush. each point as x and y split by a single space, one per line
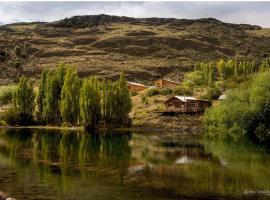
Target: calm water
36 164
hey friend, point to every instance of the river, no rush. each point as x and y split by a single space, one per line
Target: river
53 164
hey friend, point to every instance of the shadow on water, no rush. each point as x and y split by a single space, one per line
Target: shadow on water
76 165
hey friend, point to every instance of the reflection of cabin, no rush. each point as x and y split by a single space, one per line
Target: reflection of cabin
136 87
222 97
163 83
183 104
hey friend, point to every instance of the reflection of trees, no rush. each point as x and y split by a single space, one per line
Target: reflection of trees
69 151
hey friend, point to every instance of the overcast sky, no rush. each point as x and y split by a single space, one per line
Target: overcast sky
236 12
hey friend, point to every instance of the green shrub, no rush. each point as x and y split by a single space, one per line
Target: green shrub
17 63
192 79
11 117
144 99
6 94
66 124
133 93
245 112
182 91
18 51
2 123
212 93
166 91
152 92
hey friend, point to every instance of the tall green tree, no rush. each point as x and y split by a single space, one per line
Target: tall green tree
70 94
41 94
90 99
50 93
107 100
24 100
123 101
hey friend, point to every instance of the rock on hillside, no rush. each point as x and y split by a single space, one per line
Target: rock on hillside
144 48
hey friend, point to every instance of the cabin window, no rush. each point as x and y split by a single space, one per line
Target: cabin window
192 104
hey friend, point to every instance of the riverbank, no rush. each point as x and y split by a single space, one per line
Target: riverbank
146 116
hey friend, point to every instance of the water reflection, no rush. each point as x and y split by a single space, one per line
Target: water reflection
76 165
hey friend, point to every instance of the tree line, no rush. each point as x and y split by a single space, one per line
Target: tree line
207 72
244 112
63 97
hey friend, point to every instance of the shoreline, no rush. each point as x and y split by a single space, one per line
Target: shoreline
135 128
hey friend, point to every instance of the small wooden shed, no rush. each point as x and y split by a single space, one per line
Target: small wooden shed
183 104
164 83
136 87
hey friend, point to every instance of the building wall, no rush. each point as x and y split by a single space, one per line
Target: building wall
190 106
135 88
165 84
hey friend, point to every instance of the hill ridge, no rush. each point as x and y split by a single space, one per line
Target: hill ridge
144 48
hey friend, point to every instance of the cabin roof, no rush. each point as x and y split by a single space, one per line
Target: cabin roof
185 98
163 79
138 84
222 97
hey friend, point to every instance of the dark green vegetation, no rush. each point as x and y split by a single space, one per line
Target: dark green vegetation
47 164
64 98
6 94
245 112
218 77
144 49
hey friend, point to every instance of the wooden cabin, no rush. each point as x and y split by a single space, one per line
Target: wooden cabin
136 87
183 104
164 83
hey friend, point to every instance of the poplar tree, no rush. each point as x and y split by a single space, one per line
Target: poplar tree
90 108
123 100
70 94
107 101
24 100
50 112
52 85
41 94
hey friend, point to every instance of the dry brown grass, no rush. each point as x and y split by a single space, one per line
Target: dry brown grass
144 51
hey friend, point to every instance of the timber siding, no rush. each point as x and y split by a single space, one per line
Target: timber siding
163 83
181 104
136 87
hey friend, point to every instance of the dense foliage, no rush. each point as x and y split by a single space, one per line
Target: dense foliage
23 103
219 76
70 96
48 97
90 99
245 112
64 98
6 94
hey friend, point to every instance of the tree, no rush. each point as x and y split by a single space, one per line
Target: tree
24 100
69 105
115 101
50 93
41 94
245 112
107 98
123 103
90 109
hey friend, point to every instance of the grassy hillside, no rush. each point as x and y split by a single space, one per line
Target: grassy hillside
144 49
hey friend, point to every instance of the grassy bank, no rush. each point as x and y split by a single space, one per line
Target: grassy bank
147 114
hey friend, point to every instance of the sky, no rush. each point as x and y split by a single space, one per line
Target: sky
256 13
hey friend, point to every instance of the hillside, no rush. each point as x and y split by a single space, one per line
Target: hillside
144 49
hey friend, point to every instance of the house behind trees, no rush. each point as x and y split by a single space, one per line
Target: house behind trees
164 83
183 104
136 87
